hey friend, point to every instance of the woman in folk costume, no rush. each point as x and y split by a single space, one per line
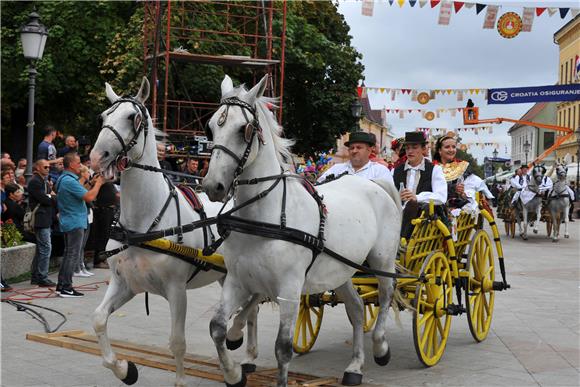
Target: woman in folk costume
462 183
398 156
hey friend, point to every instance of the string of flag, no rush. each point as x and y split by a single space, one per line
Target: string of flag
474 129
446 8
464 145
422 95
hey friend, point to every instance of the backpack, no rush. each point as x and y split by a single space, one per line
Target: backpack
29 220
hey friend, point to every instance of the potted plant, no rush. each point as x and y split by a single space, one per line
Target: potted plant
15 255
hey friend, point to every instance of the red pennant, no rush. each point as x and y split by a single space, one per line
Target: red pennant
359 91
410 110
540 11
457 5
388 110
434 3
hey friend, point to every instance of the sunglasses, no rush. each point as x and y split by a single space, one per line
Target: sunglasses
47 167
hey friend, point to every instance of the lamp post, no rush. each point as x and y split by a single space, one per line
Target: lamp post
494 153
33 36
577 161
527 147
356 111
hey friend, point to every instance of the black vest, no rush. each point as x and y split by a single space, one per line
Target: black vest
400 176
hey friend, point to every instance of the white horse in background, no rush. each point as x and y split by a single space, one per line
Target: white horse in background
559 200
363 222
128 130
530 201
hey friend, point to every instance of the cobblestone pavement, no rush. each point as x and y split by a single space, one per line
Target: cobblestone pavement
534 339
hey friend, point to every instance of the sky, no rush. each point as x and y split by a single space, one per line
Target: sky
406 48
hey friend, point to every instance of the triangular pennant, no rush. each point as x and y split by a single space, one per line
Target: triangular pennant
391 2
422 3
457 5
540 11
388 110
412 3
469 5
479 7
410 110
575 12
381 90
434 3
401 2
552 11
449 91
563 12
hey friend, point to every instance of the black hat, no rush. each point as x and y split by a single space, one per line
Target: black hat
364 137
415 138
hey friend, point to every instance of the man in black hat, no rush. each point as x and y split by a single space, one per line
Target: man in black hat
360 146
418 180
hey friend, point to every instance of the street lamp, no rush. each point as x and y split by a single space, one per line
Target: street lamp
527 147
356 110
494 153
33 36
577 132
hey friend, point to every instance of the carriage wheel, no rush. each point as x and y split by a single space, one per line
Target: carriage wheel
371 314
479 288
431 323
308 323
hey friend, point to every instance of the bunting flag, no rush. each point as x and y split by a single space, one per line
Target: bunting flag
444 13
422 111
540 11
457 5
490 17
552 11
434 3
412 3
575 12
422 3
414 93
367 7
469 5
527 19
563 12
479 8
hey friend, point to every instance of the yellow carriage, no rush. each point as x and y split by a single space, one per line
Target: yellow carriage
443 261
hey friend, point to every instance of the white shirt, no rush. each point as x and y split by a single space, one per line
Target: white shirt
515 182
371 170
438 183
546 184
476 184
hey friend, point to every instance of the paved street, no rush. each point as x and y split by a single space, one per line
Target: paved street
534 339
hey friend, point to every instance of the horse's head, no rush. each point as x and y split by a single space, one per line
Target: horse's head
236 135
561 171
538 173
125 127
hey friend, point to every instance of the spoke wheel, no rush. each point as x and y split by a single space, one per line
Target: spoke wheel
307 324
431 323
371 314
479 289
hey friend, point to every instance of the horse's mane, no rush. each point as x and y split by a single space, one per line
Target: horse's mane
268 122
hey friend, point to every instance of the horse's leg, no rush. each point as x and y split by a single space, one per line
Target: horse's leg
289 301
116 296
355 311
177 298
538 217
235 335
555 224
566 220
524 234
232 297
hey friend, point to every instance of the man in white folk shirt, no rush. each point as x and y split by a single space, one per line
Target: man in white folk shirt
418 180
360 146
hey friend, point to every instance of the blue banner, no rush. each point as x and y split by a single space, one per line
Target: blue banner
556 93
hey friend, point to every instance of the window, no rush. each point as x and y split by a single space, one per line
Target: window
566 73
549 138
561 74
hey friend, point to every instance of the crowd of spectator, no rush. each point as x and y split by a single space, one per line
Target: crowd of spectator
67 198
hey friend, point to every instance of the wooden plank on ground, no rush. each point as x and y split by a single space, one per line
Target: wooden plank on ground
161 358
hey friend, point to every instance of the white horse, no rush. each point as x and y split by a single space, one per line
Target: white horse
363 222
530 201
128 130
559 203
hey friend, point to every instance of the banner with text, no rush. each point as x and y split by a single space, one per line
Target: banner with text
555 93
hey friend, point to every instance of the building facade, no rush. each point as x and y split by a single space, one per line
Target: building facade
538 139
568 113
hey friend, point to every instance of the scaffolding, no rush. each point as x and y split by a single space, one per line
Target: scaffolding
247 37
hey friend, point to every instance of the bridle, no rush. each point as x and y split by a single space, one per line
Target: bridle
252 127
140 124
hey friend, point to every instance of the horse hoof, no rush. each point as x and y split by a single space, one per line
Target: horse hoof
535 231
132 374
233 345
248 368
567 236
241 383
384 360
351 379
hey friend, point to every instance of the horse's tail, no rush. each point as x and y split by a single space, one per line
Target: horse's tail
391 191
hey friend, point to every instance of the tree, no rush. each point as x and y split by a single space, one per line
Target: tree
477 169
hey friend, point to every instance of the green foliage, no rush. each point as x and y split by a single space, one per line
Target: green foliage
93 42
477 169
9 235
